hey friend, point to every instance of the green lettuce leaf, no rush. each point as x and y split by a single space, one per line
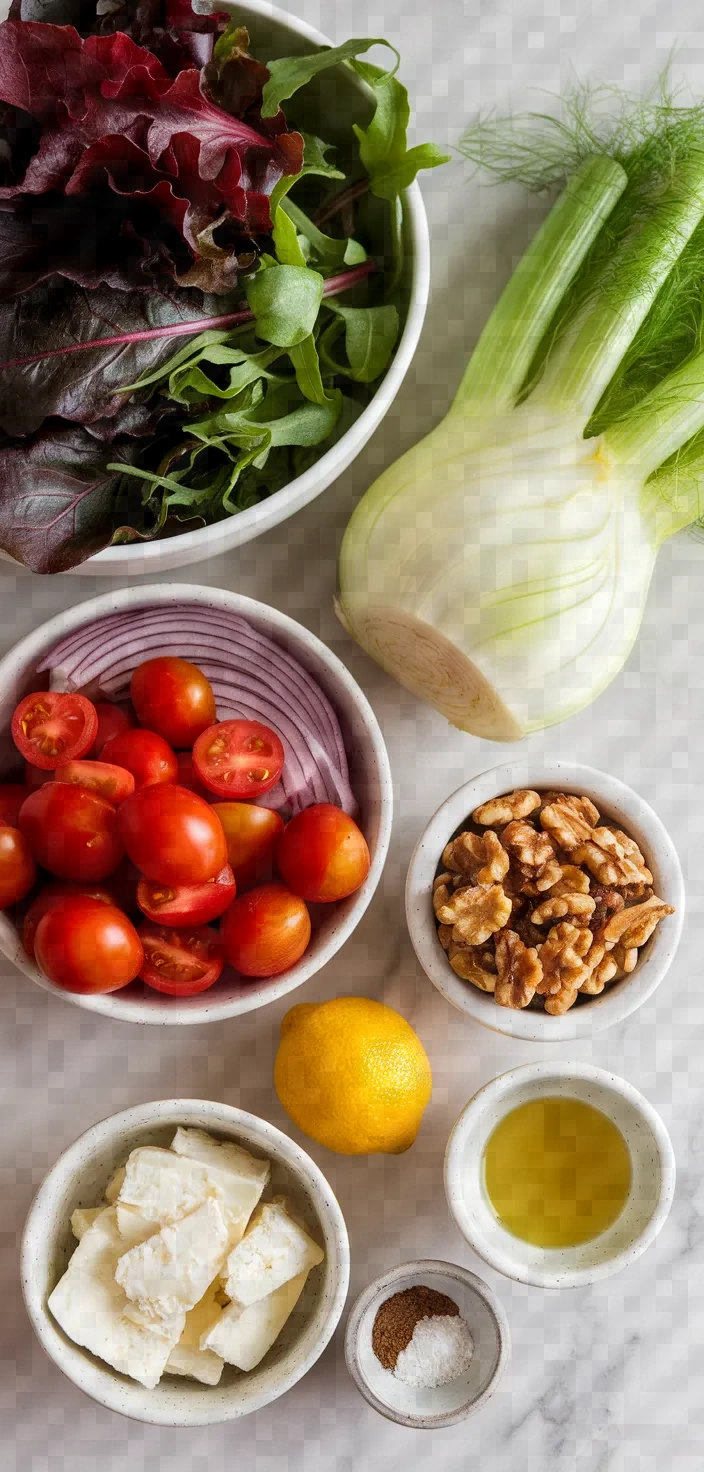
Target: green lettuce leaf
390 164
285 300
370 337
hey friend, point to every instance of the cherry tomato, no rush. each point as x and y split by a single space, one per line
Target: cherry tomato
73 832
252 834
48 728
238 758
50 898
323 855
187 904
172 835
12 796
266 931
109 781
34 777
144 754
174 698
188 776
180 962
18 870
85 945
112 721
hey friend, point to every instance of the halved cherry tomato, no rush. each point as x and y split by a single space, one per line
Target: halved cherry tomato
173 697
188 776
112 721
238 758
48 728
109 781
73 832
187 904
252 834
180 962
266 931
50 898
172 835
323 855
84 945
147 756
35 777
18 870
12 796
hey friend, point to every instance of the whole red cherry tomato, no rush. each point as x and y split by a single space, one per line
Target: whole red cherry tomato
187 904
180 962
266 931
323 855
252 834
87 946
73 832
112 721
53 896
12 796
49 728
173 697
172 835
238 758
18 870
147 756
109 781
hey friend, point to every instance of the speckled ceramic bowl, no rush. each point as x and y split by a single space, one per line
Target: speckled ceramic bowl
652 1184
615 801
79 1179
430 1410
370 776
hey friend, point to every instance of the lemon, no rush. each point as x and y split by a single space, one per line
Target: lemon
353 1075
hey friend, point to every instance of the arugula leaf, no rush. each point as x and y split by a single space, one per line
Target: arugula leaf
370 336
273 421
314 162
285 239
285 301
391 166
332 252
307 367
288 73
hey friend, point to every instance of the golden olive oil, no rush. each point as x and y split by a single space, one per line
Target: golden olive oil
557 1172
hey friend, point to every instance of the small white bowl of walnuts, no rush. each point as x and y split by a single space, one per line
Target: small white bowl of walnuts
545 900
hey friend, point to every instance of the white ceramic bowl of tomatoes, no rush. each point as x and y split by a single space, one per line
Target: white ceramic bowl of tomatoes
140 875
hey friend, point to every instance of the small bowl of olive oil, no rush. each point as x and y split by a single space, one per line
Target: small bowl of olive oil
559 1174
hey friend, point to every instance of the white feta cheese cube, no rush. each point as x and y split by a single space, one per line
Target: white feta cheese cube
83 1218
237 1177
188 1358
242 1336
274 1249
173 1268
163 1186
89 1306
133 1226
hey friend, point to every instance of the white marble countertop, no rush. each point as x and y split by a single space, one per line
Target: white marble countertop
607 1377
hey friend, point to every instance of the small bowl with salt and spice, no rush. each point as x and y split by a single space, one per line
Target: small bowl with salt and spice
427 1343
545 900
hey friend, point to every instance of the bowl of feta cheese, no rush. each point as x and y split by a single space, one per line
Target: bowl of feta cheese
184 1262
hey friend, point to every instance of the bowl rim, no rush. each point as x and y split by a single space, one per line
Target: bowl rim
502 1087
224 1118
391 1280
253 522
277 623
612 1005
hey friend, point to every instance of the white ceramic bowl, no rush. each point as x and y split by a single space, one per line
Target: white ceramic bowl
369 772
614 800
276 32
652 1185
79 1179
430 1410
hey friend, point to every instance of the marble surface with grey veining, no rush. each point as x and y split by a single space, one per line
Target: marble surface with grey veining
606 1377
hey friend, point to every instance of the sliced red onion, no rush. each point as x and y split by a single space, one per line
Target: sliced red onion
252 677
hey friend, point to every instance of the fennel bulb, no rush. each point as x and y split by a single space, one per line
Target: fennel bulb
500 568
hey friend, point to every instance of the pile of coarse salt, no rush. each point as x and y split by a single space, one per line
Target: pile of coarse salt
421 1337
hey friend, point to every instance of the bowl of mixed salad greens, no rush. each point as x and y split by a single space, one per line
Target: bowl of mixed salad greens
213 277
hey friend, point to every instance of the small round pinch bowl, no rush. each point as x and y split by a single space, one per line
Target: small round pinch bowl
370 777
430 1410
652 1180
616 802
79 1178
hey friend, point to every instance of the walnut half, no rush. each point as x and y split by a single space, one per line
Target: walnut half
474 913
518 971
500 810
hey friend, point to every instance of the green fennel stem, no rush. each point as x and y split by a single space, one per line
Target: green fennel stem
503 355
663 421
581 366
